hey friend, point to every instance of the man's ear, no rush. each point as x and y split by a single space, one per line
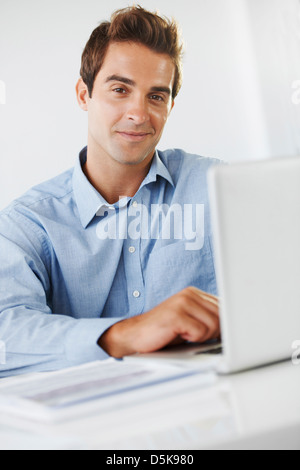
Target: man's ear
172 106
82 94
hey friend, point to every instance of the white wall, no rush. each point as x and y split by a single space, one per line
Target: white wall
276 41
237 102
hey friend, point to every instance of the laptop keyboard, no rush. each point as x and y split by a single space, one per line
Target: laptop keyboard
218 350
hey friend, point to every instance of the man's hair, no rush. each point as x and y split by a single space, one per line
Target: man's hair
133 24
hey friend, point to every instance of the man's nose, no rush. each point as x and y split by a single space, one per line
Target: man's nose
138 111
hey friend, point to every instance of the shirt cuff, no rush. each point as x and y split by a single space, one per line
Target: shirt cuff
81 344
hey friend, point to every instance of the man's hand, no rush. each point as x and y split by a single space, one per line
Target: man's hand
190 315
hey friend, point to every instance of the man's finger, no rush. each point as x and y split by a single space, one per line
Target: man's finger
203 315
206 300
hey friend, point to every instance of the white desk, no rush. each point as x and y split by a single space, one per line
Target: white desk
257 409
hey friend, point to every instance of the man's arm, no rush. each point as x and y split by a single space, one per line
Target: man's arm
190 315
35 337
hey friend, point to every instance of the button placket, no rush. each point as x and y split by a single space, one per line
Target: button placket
132 259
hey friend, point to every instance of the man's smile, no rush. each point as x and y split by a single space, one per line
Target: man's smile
134 136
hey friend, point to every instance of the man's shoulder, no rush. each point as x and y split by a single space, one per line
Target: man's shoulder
181 163
44 194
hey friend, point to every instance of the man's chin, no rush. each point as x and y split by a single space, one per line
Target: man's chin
134 160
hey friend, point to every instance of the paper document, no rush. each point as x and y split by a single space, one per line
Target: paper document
43 395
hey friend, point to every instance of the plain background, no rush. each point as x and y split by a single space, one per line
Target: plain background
240 99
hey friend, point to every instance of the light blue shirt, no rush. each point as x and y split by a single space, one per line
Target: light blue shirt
71 265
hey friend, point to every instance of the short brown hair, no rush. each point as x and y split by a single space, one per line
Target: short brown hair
138 25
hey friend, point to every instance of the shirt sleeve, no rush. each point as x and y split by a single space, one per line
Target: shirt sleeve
34 337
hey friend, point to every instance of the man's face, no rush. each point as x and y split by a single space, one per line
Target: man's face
130 103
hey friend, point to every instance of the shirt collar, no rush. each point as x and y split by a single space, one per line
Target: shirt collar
157 169
89 201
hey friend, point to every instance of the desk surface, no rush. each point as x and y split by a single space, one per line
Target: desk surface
257 409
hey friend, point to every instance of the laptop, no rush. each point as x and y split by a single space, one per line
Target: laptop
255 211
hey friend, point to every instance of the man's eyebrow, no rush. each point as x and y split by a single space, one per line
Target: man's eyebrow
161 89
128 81
118 78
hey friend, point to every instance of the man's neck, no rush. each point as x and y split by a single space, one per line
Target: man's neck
112 179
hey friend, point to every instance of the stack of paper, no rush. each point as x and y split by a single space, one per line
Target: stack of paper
54 396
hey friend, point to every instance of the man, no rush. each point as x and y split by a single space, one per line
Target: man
105 260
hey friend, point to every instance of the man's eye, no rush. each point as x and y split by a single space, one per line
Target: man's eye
119 90
156 98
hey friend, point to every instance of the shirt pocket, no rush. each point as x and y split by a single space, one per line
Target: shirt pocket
172 267
179 253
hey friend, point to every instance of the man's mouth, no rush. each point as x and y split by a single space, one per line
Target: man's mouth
133 136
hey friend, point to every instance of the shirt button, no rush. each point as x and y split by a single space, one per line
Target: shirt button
136 294
131 249
134 204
